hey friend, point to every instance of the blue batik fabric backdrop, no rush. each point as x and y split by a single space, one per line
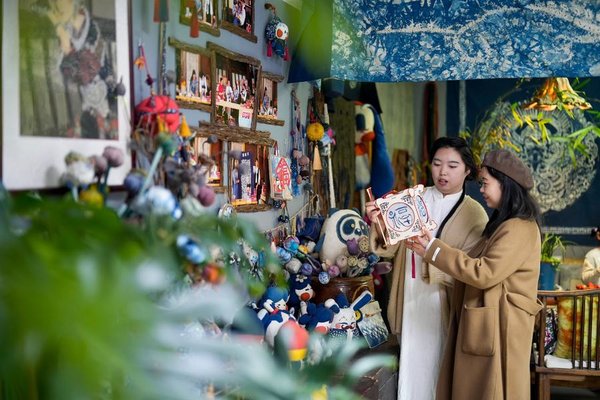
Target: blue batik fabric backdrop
407 40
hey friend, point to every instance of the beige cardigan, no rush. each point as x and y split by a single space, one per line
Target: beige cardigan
462 230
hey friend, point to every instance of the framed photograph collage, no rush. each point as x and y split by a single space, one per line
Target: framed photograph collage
237 94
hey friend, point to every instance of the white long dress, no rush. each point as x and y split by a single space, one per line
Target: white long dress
422 340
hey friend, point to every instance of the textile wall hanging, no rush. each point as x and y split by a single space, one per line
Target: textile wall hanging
423 40
553 190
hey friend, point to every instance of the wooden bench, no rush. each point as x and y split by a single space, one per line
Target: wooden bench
585 371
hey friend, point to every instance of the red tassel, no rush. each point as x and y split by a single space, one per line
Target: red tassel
195 24
161 10
269 49
286 55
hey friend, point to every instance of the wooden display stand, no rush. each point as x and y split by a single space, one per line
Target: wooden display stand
351 287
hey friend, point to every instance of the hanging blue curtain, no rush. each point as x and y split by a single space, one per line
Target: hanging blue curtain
423 40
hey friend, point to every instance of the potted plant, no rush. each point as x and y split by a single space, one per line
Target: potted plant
549 262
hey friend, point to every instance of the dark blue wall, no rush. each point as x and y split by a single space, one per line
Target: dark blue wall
481 94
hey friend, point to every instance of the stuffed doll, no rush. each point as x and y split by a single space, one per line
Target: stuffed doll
315 317
346 315
300 290
276 33
340 227
365 122
274 312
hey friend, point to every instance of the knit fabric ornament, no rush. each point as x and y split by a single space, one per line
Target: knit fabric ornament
276 33
315 131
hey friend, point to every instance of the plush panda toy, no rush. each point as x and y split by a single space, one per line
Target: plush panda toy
340 227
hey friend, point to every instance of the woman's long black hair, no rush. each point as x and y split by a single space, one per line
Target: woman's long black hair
516 202
460 145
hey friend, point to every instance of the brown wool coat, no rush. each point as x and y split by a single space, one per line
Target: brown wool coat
462 230
493 308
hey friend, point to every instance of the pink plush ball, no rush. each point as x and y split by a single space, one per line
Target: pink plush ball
206 196
333 271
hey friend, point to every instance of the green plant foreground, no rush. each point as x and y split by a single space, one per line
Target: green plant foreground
92 307
550 244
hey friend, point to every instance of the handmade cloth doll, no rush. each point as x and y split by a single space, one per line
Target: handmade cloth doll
300 290
346 315
340 227
276 33
274 312
365 122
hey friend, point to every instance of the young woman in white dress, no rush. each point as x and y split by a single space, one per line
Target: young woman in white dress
419 297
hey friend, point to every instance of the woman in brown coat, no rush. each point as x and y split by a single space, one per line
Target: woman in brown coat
419 302
494 301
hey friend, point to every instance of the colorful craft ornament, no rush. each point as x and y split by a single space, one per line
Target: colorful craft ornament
161 10
317 165
194 22
276 33
155 106
315 131
184 129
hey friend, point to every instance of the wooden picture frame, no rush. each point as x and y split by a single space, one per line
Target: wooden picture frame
194 73
238 18
249 176
268 111
259 143
62 101
216 151
208 15
234 87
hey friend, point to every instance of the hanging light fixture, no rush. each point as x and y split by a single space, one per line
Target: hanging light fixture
556 93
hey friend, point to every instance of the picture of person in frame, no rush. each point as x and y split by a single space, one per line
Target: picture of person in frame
71 76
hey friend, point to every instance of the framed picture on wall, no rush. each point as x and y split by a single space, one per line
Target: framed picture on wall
249 174
65 80
238 18
235 87
213 150
246 178
207 14
194 75
268 108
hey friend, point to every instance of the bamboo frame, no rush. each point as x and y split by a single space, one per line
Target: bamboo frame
228 57
190 48
276 79
231 27
211 28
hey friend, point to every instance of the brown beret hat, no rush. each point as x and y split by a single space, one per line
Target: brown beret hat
510 165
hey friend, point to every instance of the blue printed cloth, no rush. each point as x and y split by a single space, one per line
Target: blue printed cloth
422 40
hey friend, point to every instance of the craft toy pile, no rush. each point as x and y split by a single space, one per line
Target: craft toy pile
343 239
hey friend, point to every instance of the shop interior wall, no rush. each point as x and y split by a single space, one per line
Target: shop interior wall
145 31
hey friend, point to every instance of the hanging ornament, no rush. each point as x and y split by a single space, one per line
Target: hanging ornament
556 92
194 22
315 131
184 129
317 165
161 10
276 33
